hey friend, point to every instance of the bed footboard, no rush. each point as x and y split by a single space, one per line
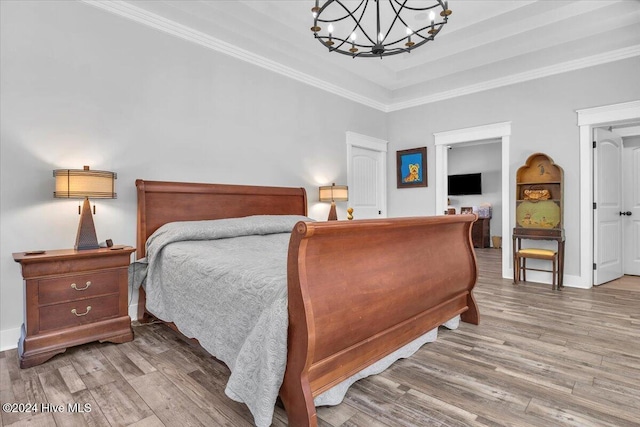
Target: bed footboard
359 290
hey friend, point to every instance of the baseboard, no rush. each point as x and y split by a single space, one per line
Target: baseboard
570 281
9 339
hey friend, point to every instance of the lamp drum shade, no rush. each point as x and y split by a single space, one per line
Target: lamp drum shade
334 193
81 183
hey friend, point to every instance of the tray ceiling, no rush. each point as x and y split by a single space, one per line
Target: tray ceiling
486 44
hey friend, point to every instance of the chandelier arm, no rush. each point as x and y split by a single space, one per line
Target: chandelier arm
422 9
396 18
421 42
393 51
349 13
364 32
378 20
418 33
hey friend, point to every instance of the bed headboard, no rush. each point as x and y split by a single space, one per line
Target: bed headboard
160 202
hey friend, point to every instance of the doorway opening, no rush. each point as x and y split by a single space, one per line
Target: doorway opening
618 116
467 161
499 133
616 211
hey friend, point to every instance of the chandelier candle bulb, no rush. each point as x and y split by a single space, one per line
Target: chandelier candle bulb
314 12
353 49
432 31
330 29
409 43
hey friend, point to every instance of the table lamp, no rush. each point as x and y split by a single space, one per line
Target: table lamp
333 193
82 184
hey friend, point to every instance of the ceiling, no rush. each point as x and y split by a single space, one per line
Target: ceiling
486 44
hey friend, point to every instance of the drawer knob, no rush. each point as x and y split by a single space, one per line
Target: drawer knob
74 286
73 310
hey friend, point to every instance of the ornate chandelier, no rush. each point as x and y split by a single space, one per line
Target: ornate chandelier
377 28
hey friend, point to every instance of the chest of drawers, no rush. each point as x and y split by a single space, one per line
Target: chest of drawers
73 297
480 233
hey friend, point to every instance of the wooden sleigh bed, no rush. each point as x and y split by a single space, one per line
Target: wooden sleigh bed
357 290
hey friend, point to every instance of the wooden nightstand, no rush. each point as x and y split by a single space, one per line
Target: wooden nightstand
73 297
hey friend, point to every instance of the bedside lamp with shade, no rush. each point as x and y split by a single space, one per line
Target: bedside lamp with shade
333 193
82 184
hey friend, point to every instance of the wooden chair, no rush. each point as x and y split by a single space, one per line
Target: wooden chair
520 264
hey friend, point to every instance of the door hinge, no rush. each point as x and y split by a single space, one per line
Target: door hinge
594 144
595 266
595 205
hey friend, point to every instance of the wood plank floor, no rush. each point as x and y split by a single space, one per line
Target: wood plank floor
538 358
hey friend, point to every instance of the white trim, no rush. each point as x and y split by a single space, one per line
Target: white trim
627 131
589 118
9 339
364 141
577 64
476 133
609 114
570 281
354 139
500 131
153 20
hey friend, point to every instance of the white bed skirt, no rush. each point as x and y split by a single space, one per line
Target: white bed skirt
335 395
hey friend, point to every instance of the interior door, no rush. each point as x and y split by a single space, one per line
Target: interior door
607 194
631 208
367 183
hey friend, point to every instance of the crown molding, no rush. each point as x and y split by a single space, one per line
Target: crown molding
158 22
577 64
153 20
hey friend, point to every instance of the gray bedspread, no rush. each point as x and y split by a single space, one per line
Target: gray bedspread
224 282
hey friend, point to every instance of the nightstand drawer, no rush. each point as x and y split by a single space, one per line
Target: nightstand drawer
78 312
69 288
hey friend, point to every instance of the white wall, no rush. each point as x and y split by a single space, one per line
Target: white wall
484 159
543 119
84 87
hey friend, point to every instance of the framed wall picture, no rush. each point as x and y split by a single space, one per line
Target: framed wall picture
412 167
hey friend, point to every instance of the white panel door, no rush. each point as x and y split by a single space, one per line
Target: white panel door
607 194
367 183
631 209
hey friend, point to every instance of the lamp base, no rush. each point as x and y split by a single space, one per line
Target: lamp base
86 237
333 215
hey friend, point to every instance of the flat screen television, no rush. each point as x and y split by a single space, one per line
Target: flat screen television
461 185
